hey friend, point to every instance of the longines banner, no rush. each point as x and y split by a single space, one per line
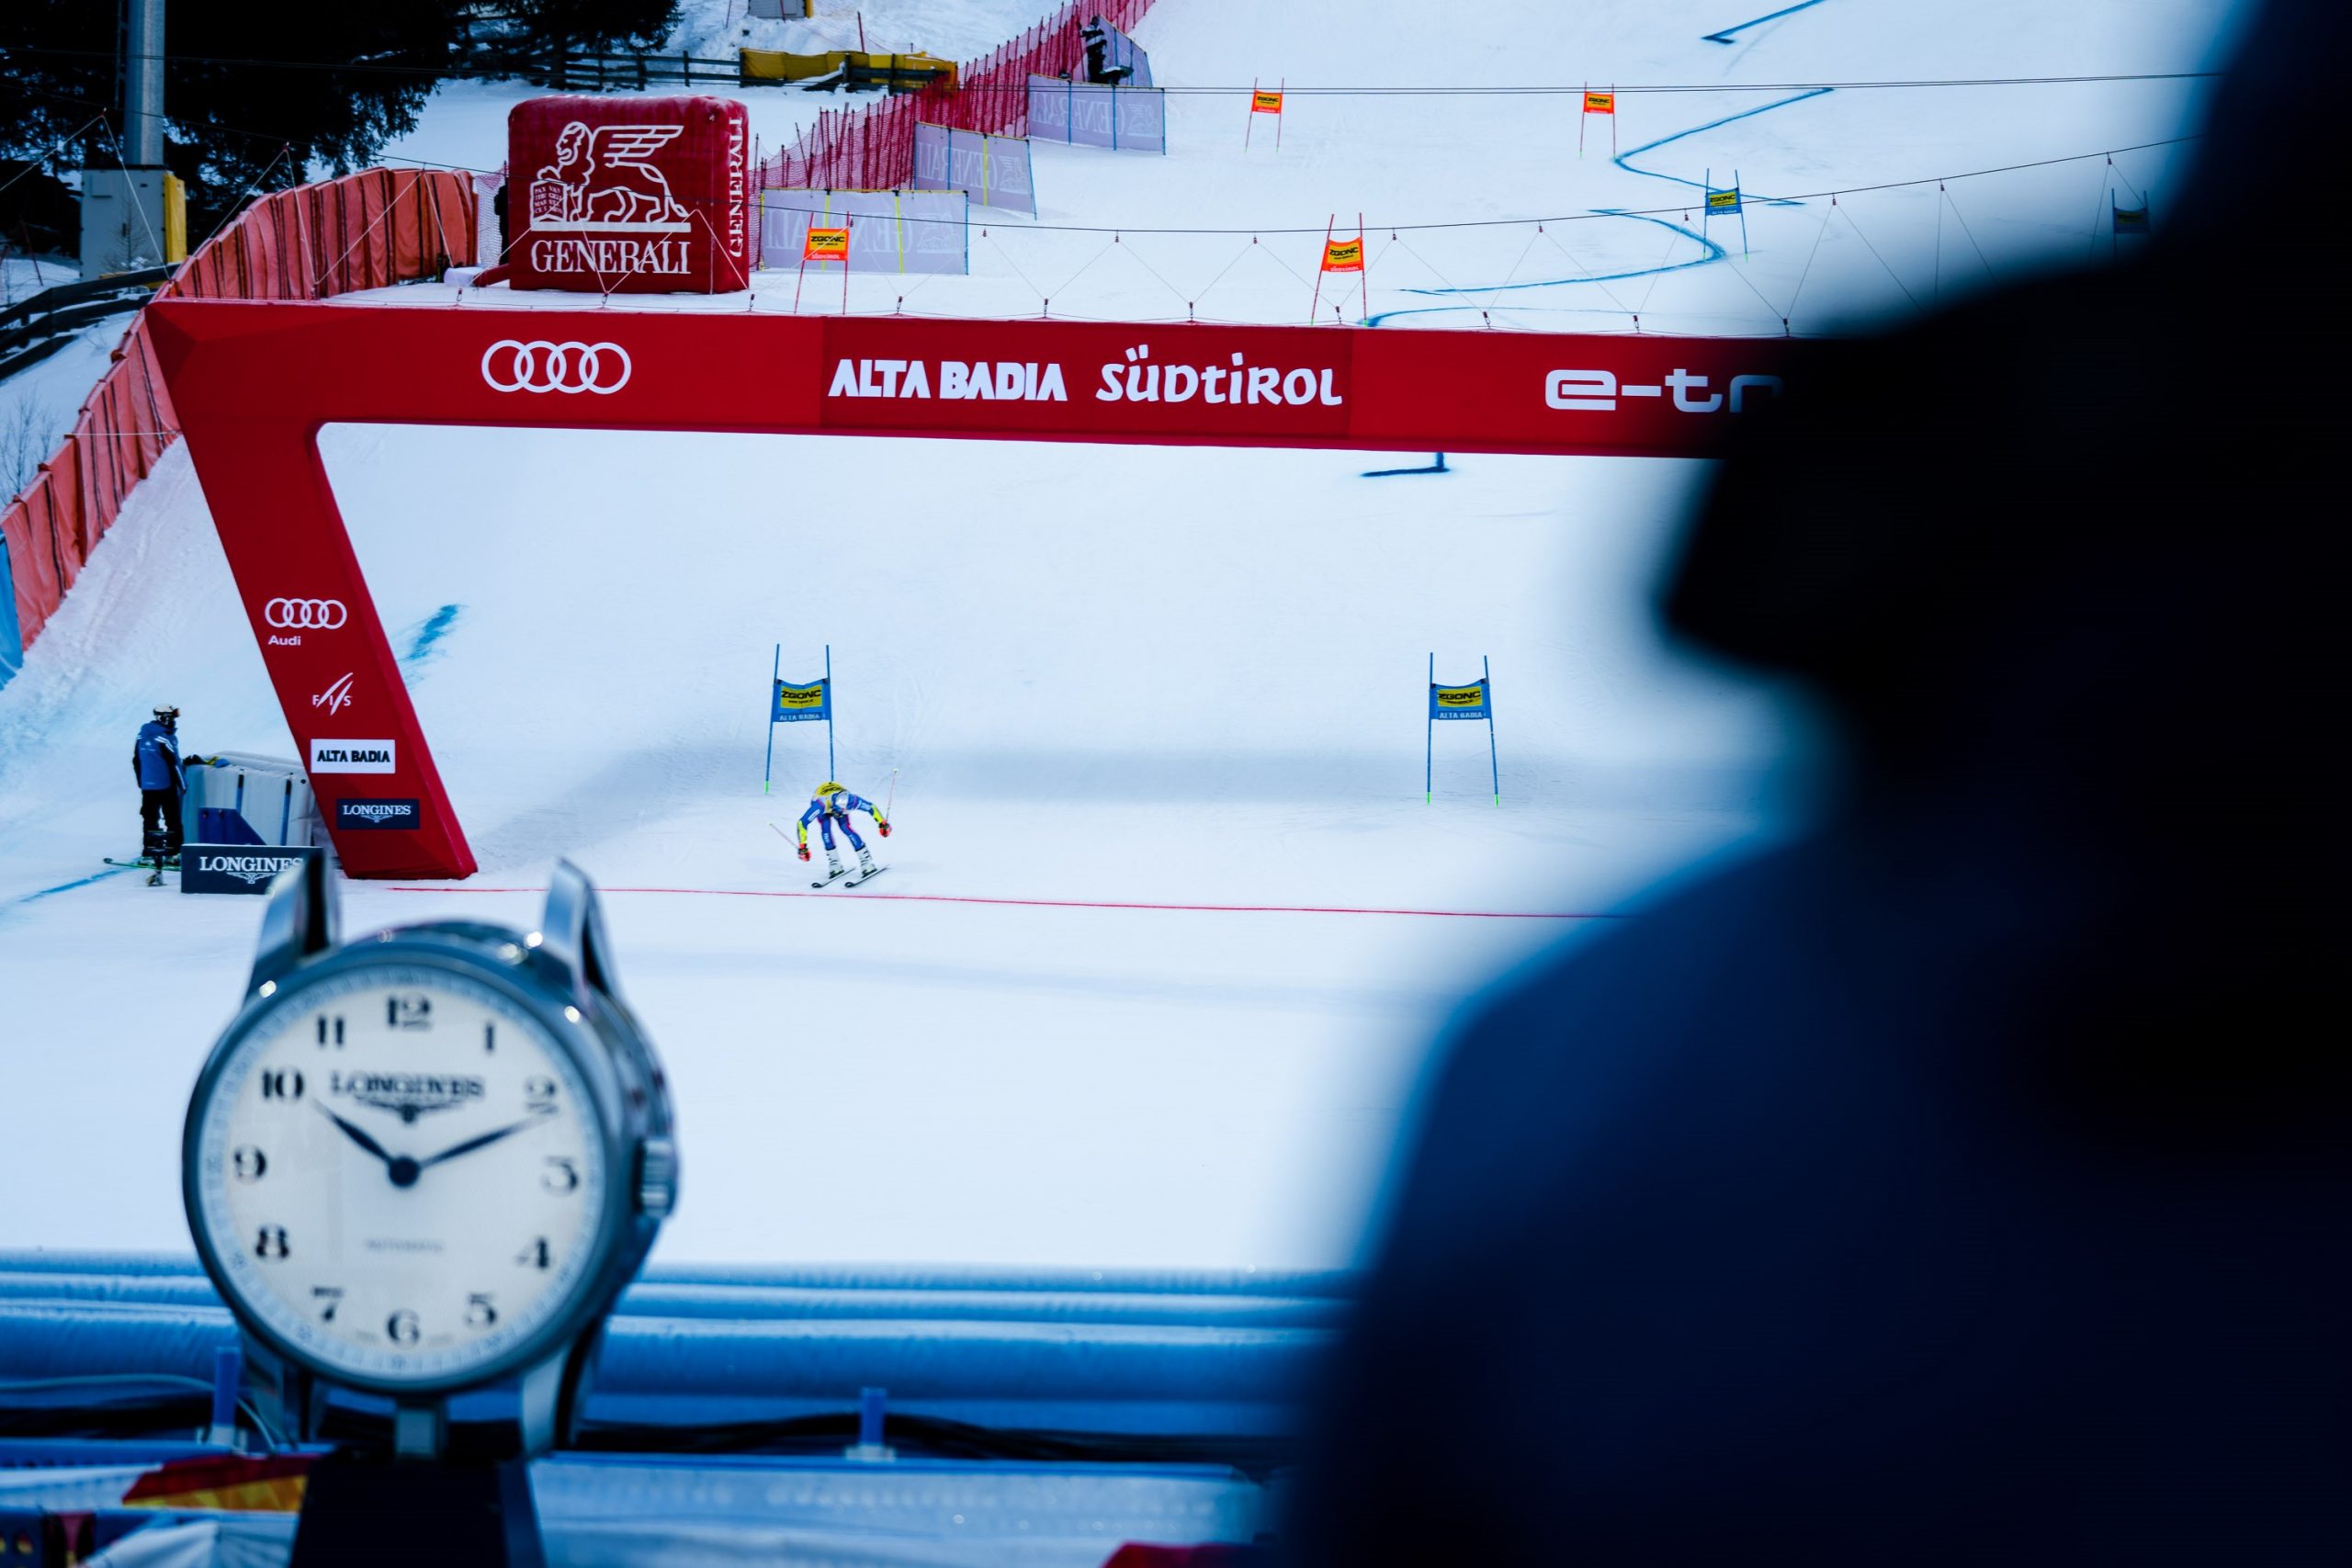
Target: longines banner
254 381
628 196
236 868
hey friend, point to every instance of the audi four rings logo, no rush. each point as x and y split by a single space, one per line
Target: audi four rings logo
309 615
511 365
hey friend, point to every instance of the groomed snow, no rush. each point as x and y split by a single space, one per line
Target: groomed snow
1104 676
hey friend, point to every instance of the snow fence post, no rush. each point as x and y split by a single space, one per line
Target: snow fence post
831 770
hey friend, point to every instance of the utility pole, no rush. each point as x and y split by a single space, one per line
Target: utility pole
132 211
143 83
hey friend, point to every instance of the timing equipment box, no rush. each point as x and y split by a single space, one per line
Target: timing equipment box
236 868
629 195
240 798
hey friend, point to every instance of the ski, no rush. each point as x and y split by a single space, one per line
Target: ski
862 881
829 881
170 863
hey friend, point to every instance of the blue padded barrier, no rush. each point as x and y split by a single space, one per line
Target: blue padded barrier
1129 1351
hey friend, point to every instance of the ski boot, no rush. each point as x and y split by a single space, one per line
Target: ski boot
865 861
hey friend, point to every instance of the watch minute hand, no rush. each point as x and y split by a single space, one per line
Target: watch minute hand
356 1133
470 1145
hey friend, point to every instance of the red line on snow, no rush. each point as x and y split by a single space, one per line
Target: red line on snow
1058 902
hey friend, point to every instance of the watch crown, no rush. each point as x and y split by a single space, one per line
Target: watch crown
657 1176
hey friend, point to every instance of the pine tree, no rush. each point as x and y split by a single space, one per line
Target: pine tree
257 95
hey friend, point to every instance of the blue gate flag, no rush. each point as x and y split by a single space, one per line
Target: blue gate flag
790 701
1473 701
1723 203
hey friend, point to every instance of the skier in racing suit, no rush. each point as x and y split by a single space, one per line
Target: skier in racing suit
833 804
155 763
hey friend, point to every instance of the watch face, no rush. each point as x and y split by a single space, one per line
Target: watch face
400 1173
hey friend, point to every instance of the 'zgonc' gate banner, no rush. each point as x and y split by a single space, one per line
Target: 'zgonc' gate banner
628 196
253 382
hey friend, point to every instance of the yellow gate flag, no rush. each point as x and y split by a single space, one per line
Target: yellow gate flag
1458 702
1265 102
1343 256
1600 103
826 244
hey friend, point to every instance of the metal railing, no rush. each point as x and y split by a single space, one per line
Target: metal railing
585 71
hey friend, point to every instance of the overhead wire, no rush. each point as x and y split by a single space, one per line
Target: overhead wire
446 69
1680 208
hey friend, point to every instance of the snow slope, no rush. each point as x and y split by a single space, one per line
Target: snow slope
1104 676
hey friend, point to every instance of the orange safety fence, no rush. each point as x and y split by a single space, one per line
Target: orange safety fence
364 231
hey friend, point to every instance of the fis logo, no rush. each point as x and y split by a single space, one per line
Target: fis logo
335 698
375 814
351 757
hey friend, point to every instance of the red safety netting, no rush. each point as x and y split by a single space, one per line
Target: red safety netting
873 148
365 231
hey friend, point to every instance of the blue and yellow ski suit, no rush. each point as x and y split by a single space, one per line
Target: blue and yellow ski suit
828 806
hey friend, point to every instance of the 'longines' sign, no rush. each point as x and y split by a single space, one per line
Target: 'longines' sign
236 868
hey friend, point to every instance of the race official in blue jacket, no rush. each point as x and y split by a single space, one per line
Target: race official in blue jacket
155 763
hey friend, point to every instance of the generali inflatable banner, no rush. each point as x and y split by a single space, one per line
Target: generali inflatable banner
628 196
253 382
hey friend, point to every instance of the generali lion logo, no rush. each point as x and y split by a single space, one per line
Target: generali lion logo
602 183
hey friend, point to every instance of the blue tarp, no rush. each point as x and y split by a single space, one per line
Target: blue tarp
12 641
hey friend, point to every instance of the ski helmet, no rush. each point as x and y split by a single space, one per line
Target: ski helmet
825 793
167 717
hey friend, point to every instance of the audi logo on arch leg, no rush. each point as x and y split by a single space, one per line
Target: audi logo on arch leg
511 365
305 614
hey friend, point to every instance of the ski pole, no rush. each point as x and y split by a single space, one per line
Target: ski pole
892 804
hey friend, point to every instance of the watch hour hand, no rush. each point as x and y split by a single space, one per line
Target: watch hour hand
470 1145
356 1133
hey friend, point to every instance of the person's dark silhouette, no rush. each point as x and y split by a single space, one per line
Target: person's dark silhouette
1970 1182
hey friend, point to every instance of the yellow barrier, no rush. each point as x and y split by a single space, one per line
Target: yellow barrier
174 219
778 65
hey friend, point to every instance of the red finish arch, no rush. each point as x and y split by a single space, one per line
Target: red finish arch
253 382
